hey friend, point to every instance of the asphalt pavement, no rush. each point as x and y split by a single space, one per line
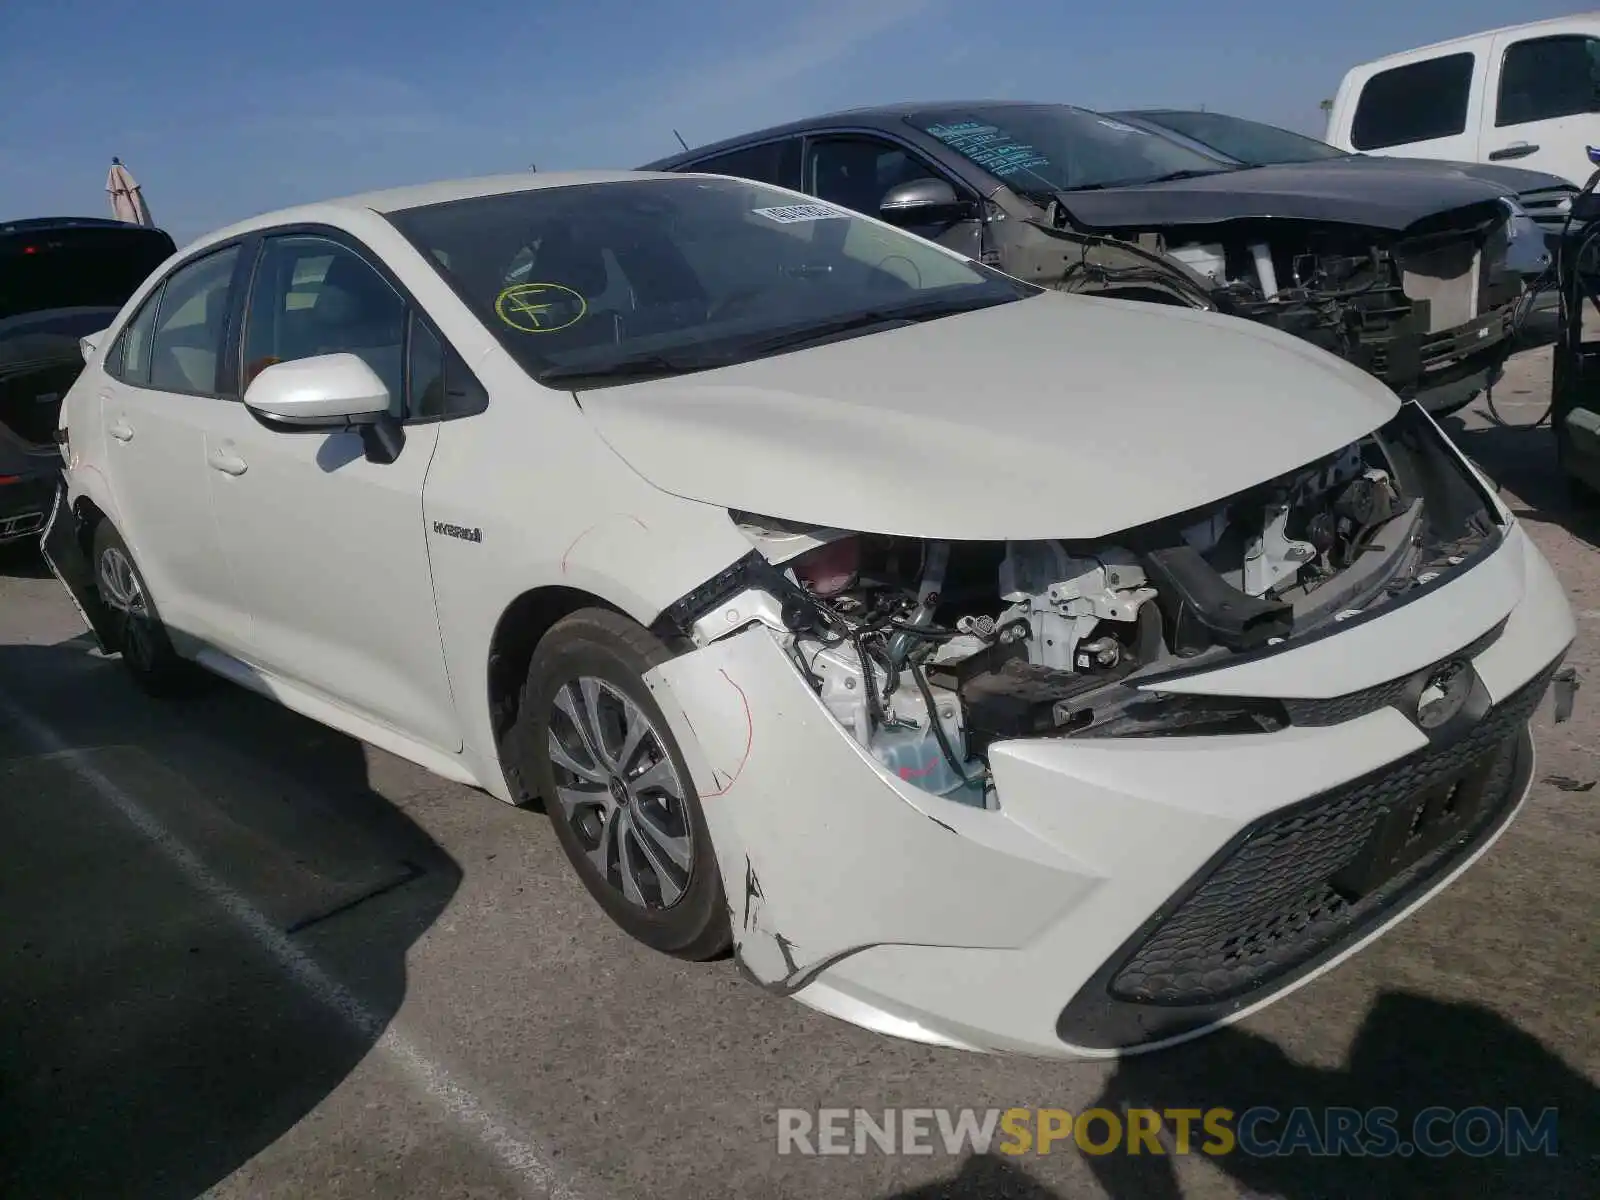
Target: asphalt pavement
245 956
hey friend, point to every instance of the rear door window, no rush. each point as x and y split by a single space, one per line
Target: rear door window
777 163
129 359
1545 78
1418 102
191 319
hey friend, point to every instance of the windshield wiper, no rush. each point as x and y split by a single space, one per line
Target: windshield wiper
894 318
657 366
1192 173
638 367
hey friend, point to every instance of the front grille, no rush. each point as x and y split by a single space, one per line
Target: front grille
1544 205
1336 710
1280 894
1441 349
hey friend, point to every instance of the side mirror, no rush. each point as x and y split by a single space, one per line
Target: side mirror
89 343
325 391
921 202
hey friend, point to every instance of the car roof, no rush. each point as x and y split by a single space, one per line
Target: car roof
1470 38
1173 112
418 195
875 116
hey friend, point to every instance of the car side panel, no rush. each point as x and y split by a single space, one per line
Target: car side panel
309 514
547 504
159 478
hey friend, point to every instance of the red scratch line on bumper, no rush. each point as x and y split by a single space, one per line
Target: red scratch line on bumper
749 738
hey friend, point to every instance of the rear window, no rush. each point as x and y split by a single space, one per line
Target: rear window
65 267
1418 102
1247 141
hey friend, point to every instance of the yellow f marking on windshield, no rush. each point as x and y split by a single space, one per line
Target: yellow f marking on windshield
540 307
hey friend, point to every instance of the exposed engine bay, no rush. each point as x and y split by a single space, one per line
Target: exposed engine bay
928 651
1417 310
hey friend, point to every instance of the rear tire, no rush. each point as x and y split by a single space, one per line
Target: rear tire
139 636
591 738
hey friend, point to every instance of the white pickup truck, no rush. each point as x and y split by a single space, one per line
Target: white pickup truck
1527 95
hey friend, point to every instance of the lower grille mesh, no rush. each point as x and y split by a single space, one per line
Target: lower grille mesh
1274 901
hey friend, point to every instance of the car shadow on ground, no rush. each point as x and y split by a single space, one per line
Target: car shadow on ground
1522 461
22 560
151 1040
1412 1054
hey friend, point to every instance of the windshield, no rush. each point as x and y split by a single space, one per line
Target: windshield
1052 147
1249 142
66 267
596 283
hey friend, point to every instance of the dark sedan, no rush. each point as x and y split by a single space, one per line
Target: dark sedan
1403 273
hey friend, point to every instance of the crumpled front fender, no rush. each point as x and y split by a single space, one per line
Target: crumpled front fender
824 853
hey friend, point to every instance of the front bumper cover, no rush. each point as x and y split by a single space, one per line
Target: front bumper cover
62 545
1294 888
1036 928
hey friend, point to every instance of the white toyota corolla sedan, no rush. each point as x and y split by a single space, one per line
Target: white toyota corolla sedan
985 666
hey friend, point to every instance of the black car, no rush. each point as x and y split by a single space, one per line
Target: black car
1403 273
1547 199
61 279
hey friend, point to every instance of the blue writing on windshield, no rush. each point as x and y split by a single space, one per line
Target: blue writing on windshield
990 147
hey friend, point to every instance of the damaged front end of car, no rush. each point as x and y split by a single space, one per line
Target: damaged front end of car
928 652
1429 310
961 781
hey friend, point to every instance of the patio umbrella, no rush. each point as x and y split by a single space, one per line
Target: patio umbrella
127 198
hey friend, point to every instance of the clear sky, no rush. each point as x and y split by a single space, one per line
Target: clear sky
222 109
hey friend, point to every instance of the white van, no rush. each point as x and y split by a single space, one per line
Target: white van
1527 95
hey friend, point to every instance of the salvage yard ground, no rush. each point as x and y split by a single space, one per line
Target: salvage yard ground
241 952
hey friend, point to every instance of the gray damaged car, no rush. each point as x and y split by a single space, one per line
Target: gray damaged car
1403 273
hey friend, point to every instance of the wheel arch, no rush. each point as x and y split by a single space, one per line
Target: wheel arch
517 633
90 501
89 515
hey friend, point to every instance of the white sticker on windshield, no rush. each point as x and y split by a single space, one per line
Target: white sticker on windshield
1119 126
788 214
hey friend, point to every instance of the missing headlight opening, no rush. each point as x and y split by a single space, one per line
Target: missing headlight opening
928 652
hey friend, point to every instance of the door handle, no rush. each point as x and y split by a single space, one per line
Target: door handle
228 464
122 431
1515 150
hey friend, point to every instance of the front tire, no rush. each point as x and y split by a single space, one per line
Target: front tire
138 633
616 787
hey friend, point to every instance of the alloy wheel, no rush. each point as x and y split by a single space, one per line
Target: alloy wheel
618 789
122 592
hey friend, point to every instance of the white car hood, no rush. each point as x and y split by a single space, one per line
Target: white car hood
1053 417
